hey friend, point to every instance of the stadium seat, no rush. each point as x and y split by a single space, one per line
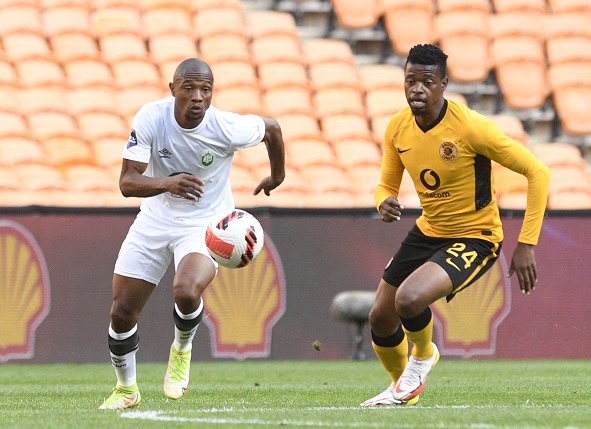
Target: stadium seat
554 154
68 150
516 24
560 50
219 20
512 200
131 72
87 178
521 72
252 157
13 124
573 197
378 126
9 101
229 74
328 75
116 18
162 20
317 51
73 45
8 75
172 47
507 181
25 44
39 71
570 6
454 5
9 181
224 47
309 151
562 176
15 149
263 23
274 48
91 99
66 18
199 5
335 100
330 186
281 74
356 15
345 126
407 195
42 97
20 17
457 97
286 100
409 23
81 72
378 76
108 152
132 98
98 124
45 124
351 153
567 25
465 36
245 99
571 86
119 46
298 125
530 6
512 127
385 102
39 177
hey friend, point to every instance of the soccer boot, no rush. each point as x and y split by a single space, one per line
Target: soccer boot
123 397
176 379
413 379
387 398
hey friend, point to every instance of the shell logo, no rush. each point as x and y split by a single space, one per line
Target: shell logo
242 306
467 325
24 291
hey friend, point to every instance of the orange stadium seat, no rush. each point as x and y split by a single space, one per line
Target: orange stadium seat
281 74
521 72
330 186
39 71
132 98
73 45
298 125
571 86
118 46
98 124
36 177
356 15
351 153
43 97
516 24
16 150
229 74
559 154
25 44
274 48
219 20
531 6
87 178
48 124
385 101
409 23
66 18
327 50
68 150
9 98
365 178
570 6
512 127
328 75
285 100
453 5
240 99
513 200
567 25
133 72
345 126
457 97
576 196
20 17
378 76
465 37
335 100
308 151
263 23
165 19
108 151
224 47
83 72
8 75
199 5
172 47
378 126
91 99
13 124
560 50
9 181
116 18
253 157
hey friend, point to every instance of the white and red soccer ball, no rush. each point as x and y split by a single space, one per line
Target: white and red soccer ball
235 240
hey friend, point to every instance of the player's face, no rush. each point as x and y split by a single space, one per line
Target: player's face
192 94
424 88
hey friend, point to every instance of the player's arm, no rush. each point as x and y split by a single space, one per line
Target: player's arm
386 194
133 183
276 150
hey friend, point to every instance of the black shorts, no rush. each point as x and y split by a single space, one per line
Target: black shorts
464 259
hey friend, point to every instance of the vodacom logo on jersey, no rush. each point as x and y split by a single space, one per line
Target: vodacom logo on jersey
24 291
467 325
242 306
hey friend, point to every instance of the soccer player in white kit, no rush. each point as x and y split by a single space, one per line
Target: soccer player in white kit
178 159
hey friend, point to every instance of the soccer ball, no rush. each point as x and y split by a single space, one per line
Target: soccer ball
235 240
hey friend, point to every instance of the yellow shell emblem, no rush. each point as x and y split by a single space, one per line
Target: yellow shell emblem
24 291
243 305
467 325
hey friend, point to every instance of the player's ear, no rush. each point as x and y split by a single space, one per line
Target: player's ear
444 82
171 87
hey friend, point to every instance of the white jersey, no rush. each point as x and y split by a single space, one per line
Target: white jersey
205 151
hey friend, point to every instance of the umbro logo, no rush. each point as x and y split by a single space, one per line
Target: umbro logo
165 153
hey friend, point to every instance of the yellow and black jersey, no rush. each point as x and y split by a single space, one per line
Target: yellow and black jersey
450 165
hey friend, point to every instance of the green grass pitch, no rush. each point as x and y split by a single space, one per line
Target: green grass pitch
460 394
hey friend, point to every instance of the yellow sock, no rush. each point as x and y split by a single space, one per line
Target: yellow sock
422 341
393 359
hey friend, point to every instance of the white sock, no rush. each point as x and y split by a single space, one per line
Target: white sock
125 367
183 340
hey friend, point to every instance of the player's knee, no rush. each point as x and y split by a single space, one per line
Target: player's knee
379 321
123 318
408 305
187 296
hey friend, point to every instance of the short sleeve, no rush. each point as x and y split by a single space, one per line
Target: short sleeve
139 143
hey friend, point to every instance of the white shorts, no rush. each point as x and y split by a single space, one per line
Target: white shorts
147 251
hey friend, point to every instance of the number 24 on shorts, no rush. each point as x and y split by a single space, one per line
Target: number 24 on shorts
457 250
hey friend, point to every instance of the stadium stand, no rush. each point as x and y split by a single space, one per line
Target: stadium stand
74 72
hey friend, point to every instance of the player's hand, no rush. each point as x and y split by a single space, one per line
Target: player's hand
524 264
186 185
390 210
267 185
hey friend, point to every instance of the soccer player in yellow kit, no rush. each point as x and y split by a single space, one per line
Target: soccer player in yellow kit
448 150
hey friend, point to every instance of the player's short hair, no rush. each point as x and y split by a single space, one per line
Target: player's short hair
428 55
191 65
